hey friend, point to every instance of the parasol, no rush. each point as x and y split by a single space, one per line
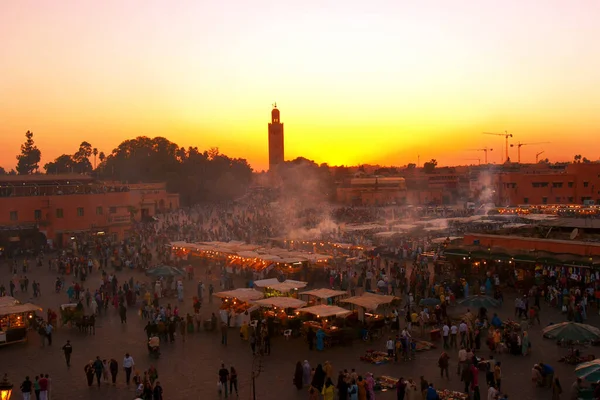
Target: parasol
165 270
479 301
589 371
430 301
572 331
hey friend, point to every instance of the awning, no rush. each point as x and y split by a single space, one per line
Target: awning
369 301
19 309
326 311
283 287
324 293
281 302
242 294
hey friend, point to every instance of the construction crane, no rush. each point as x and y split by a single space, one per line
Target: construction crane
537 155
474 159
485 150
524 144
506 136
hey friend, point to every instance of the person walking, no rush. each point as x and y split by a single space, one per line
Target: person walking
67 350
128 365
443 364
113 366
26 388
223 378
233 381
98 369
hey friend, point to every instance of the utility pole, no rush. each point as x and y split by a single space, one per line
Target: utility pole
257 368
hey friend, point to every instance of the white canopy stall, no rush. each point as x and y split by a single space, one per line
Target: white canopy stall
237 305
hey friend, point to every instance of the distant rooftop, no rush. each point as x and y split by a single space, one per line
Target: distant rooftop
45 178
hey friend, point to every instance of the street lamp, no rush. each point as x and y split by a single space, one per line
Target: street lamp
5 388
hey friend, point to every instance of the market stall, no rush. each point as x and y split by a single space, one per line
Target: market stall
281 309
321 296
275 288
236 305
325 313
370 302
14 321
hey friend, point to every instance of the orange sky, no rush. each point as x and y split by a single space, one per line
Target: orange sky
355 83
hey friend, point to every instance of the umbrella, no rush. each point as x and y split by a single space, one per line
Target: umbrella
479 301
589 371
430 301
165 270
572 331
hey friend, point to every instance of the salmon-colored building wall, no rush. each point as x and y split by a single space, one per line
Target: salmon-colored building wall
111 212
525 244
578 182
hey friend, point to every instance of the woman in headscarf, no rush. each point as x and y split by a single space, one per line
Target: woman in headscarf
306 373
298 375
525 344
362 388
370 383
411 392
353 391
328 390
89 372
319 378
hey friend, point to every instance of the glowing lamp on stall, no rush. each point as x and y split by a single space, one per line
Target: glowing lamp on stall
5 388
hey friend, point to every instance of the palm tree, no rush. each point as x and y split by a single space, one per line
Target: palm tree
95 153
102 157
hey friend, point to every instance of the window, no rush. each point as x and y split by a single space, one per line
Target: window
80 211
525 200
557 199
59 213
570 184
557 184
539 184
99 211
586 184
112 210
544 200
570 199
14 215
37 214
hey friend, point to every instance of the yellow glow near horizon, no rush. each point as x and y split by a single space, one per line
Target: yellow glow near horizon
356 82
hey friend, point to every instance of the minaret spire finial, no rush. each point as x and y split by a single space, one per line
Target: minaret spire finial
275 105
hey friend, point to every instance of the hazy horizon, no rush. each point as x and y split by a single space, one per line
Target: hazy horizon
355 82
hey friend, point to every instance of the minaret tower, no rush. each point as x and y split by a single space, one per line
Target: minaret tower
276 155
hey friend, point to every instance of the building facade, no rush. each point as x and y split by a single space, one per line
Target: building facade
576 183
60 206
276 142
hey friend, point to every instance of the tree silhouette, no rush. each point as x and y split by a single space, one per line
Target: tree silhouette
101 157
577 158
2 171
77 163
95 153
28 160
196 176
430 165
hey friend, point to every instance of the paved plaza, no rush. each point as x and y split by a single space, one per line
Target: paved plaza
188 370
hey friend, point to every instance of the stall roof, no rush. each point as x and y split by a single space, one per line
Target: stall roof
19 308
324 293
283 287
7 301
443 239
243 294
281 302
370 301
326 311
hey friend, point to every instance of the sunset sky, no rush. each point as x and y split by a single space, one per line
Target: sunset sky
356 81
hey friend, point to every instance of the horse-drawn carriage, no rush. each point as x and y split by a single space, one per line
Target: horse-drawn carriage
73 315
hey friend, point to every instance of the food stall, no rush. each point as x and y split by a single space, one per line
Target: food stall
15 319
368 303
333 333
237 306
275 288
280 311
323 296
